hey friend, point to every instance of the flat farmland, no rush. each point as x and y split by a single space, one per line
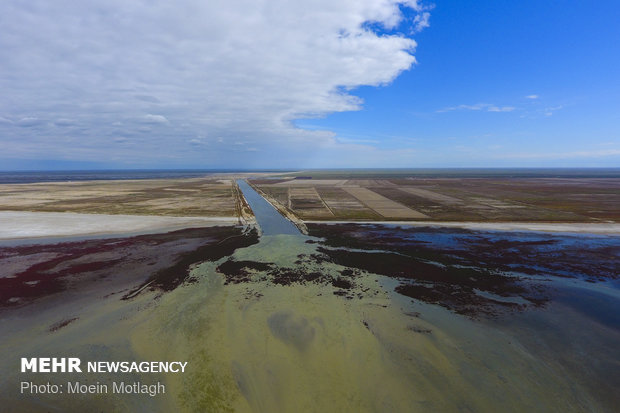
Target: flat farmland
447 199
169 197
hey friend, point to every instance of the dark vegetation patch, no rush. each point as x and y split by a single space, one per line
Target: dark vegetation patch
169 278
307 269
132 259
342 283
447 266
462 300
350 272
402 266
57 326
530 253
343 293
417 329
451 287
241 271
287 276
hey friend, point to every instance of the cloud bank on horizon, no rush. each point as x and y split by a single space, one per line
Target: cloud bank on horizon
194 83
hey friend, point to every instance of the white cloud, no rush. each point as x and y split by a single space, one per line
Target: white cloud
197 142
421 21
550 110
232 69
488 107
156 119
29 121
533 97
564 155
64 122
494 108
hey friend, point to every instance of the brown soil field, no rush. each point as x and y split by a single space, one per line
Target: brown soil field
448 199
214 196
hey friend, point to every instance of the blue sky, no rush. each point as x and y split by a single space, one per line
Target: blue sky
360 83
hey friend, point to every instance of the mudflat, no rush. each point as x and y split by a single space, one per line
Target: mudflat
25 224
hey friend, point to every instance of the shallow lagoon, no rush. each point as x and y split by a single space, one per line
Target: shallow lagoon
302 347
311 345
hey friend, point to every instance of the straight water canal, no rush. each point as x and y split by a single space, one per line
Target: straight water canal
269 219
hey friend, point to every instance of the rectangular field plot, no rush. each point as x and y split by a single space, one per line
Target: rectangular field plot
312 182
449 199
432 196
382 205
178 197
307 202
344 205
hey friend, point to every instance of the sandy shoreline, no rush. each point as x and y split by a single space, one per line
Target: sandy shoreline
32 225
26 225
587 228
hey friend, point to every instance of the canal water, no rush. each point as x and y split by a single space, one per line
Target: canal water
268 218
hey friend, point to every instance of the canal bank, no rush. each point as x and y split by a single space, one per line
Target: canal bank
270 221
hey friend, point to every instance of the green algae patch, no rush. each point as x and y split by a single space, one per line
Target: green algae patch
206 387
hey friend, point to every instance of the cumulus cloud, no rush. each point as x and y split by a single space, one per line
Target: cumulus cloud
231 69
